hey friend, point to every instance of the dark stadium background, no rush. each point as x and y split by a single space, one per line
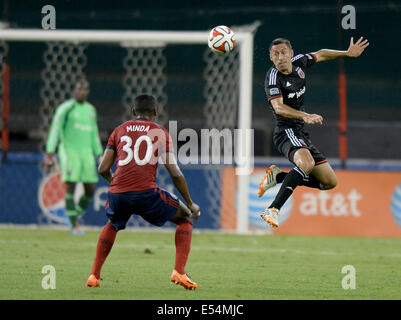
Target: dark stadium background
373 80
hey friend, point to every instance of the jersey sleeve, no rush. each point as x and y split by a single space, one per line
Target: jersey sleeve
304 60
272 85
96 143
57 126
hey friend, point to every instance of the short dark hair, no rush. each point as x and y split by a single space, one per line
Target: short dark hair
82 80
145 105
280 41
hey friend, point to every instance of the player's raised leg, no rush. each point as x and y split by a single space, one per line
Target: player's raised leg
304 165
183 237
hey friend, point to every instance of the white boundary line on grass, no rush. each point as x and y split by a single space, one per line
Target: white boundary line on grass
230 249
129 229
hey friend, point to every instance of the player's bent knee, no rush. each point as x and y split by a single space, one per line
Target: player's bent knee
185 220
117 225
179 220
304 160
309 166
182 214
306 165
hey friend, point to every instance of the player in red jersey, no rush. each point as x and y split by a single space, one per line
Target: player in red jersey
137 145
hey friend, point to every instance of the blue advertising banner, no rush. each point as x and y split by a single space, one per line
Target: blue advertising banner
28 196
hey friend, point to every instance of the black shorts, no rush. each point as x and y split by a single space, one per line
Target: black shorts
289 140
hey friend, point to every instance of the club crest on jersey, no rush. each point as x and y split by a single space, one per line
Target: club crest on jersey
274 91
301 73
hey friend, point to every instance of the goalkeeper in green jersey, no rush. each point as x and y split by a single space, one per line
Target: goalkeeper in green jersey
74 133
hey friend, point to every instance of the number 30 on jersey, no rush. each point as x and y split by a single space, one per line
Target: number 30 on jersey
133 153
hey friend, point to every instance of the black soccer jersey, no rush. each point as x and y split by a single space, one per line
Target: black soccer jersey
291 87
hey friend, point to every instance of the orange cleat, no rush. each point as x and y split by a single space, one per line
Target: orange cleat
270 215
184 280
269 180
92 281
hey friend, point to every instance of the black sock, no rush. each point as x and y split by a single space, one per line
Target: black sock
293 179
312 182
281 176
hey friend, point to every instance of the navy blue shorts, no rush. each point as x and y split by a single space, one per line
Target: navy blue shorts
156 206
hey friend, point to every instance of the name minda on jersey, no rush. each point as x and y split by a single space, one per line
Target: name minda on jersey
141 128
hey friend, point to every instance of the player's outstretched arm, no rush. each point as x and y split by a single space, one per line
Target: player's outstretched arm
179 182
354 51
106 163
286 111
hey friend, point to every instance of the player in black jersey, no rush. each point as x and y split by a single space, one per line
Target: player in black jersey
285 87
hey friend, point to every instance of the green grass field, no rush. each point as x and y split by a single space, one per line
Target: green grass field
226 266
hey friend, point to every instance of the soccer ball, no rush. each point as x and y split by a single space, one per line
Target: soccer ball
221 40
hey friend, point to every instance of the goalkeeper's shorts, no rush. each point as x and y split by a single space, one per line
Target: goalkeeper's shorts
78 166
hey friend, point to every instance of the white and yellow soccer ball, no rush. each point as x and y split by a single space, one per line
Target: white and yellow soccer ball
221 40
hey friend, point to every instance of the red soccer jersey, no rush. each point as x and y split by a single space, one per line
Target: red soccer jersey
138 144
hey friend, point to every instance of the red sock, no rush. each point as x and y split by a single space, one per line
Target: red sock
183 235
104 245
